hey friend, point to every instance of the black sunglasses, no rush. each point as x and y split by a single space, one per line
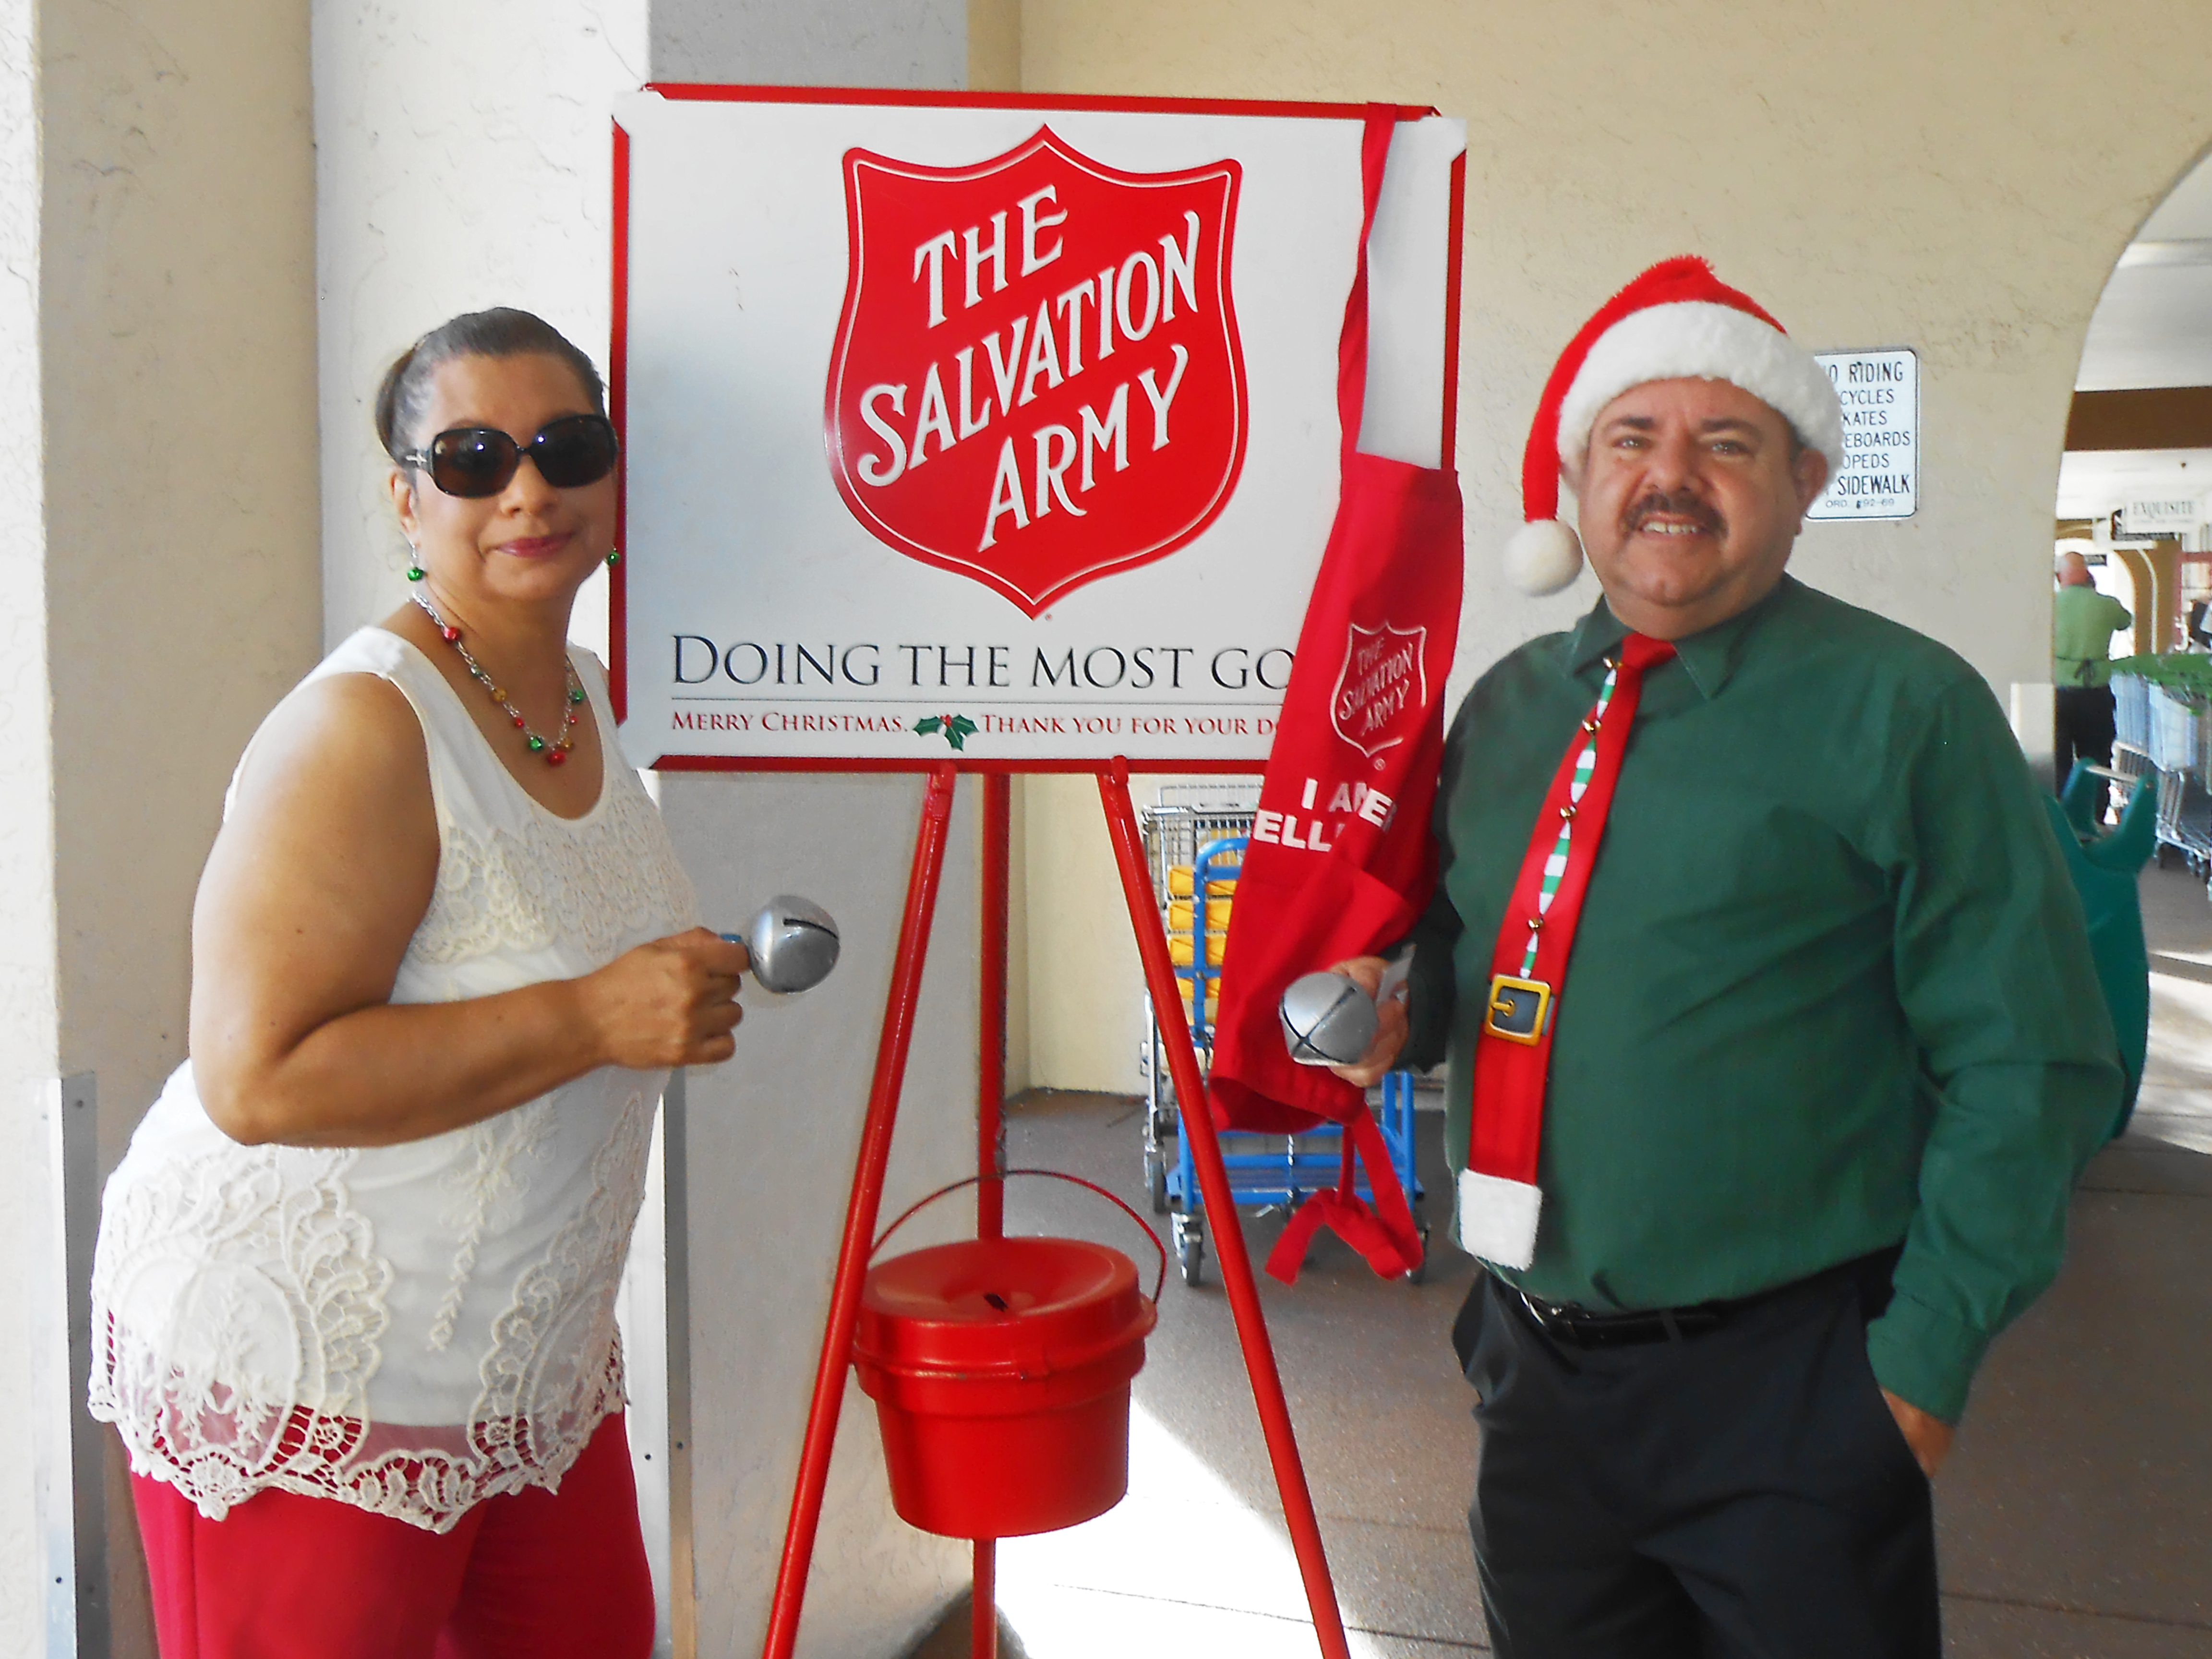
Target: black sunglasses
476 461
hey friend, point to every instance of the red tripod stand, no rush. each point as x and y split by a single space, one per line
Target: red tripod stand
862 1213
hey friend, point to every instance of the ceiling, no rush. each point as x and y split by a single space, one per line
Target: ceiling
2091 482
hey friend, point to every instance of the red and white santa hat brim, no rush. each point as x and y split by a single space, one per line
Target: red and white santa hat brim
1676 321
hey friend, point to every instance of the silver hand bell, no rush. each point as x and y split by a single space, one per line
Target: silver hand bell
793 943
1327 1020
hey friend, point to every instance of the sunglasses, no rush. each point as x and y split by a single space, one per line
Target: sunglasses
475 461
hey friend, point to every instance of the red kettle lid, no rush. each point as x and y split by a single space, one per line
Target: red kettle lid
1011 1307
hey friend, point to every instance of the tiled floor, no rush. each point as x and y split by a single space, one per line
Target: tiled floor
2176 1105
2075 1515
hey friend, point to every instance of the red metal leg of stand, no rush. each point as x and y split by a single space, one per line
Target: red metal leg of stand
1227 1237
860 1215
990 1097
991 1058
983 1603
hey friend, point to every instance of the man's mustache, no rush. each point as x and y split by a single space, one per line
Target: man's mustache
1682 504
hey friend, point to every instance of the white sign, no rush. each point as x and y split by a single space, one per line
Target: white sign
1880 477
1005 433
2150 520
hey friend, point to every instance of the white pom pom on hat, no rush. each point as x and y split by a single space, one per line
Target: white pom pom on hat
1675 321
1543 556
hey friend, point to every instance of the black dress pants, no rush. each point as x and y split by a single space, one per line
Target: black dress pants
1740 1493
2081 727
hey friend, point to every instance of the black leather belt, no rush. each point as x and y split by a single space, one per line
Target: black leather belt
1584 1328
1580 1327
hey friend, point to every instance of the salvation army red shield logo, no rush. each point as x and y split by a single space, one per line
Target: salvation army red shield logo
1382 690
1037 380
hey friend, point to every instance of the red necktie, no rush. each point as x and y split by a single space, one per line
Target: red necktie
1499 1200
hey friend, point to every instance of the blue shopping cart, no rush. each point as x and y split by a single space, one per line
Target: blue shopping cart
1197 855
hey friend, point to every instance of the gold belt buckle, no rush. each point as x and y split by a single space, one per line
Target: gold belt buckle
1518 1008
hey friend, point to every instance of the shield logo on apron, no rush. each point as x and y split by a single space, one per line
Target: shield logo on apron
1382 694
1037 380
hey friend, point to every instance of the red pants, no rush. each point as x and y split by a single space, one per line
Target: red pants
534 1573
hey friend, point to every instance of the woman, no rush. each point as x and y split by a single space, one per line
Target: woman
354 1296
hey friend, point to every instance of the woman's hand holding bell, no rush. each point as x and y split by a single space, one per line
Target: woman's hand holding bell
671 1002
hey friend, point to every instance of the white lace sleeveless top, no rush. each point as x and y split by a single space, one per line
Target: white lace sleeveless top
410 1328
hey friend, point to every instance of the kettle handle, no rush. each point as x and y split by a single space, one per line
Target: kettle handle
1158 1282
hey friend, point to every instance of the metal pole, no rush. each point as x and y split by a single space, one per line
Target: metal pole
984 1602
990 1125
991 1056
860 1215
1228 1238
676 1234
68 1448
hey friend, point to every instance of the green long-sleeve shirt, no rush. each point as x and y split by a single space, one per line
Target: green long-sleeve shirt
1830 988
2082 623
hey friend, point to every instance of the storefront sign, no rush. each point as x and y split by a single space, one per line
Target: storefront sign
1006 433
2138 523
1880 477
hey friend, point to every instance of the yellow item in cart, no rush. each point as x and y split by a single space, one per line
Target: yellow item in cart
1217 915
1180 877
1181 953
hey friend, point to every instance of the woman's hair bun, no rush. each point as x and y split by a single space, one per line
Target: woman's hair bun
502 331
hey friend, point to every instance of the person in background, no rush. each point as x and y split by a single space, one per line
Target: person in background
2082 623
353 1300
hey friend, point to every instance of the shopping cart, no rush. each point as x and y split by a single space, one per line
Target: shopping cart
2131 715
1196 839
2130 735
1188 818
2178 745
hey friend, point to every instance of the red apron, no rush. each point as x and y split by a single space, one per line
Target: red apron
1341 861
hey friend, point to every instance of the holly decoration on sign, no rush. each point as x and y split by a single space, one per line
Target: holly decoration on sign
956 727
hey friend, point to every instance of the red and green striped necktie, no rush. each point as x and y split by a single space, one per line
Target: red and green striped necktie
1498 1199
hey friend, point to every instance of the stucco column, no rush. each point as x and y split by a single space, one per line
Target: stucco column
771 1138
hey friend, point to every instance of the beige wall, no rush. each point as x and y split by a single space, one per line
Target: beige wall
1885 173
158 589
1084 1013
994 45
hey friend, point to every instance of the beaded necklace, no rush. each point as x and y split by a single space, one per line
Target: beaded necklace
555 749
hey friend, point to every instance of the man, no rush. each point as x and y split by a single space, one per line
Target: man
1758 1175
2082 623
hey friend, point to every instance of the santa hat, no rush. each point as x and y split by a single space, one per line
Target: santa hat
1676 321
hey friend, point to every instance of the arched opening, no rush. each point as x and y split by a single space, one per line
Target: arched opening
2135 499
2135 486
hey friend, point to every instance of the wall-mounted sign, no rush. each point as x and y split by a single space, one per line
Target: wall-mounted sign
1880 477
998 431
2138 523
